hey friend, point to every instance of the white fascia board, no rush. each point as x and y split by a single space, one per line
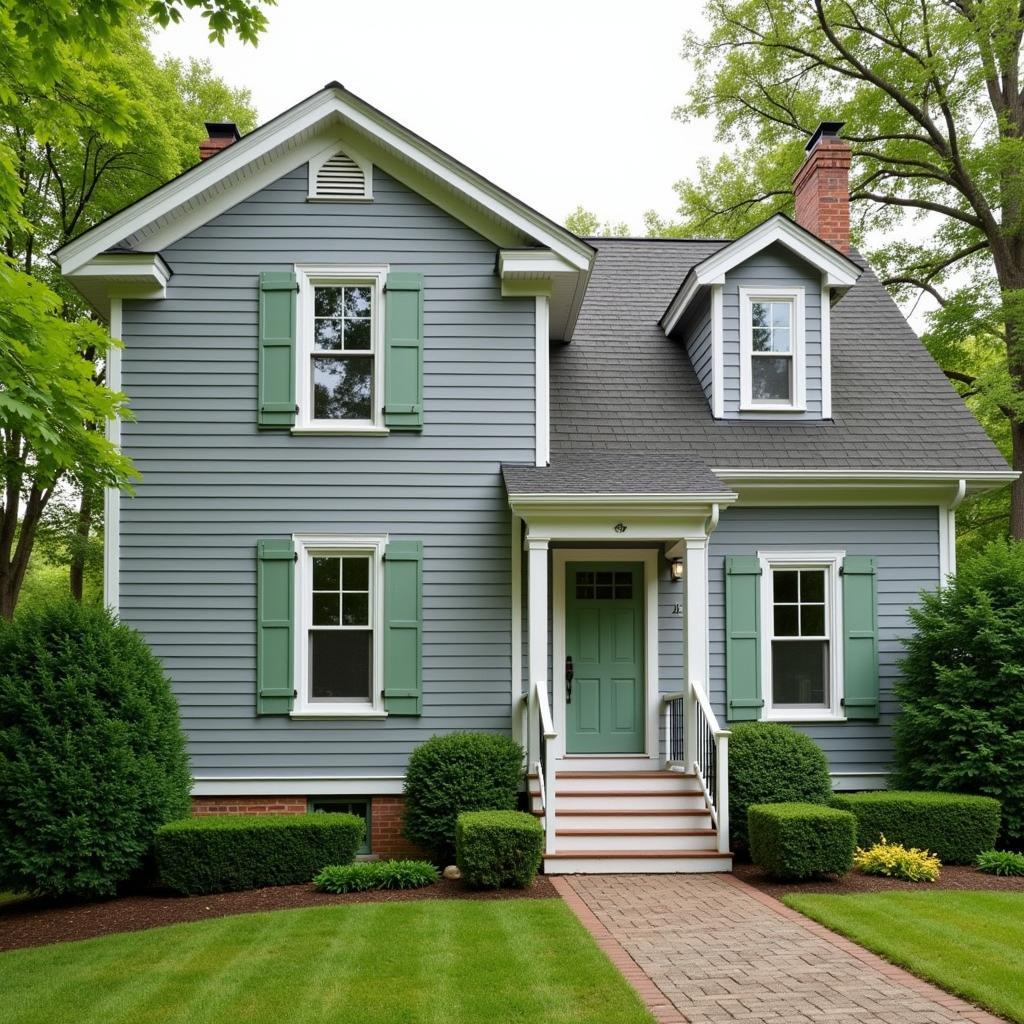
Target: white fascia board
901 476
530 263
839 271
679 304
249 155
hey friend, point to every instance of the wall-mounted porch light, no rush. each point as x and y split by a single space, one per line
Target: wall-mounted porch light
677 567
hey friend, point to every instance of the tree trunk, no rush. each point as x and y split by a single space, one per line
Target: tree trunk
79 550
1017 487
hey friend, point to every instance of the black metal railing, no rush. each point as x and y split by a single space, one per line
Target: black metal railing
707 753
676 730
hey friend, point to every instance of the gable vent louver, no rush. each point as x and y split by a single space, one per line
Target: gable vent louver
340 177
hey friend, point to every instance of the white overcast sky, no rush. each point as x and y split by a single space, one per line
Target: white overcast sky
560 102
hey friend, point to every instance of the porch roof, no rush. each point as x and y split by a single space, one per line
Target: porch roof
619 474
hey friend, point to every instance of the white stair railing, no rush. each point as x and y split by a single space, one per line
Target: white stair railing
694 741
544 766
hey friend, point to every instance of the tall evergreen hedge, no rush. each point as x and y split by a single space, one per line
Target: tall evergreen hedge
92 757
962 691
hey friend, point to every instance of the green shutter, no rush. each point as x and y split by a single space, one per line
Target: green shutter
403 356
403 627
275 612
277 351
860 637
742 638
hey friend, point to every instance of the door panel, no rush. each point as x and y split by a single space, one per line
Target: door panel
604 636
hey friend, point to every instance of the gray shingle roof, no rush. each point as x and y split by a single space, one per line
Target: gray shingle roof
622 386
621 473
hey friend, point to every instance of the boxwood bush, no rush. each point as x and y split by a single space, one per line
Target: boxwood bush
498 848
92 757
953 826
772 763
451 774
795 840
376 874
960 689
224 852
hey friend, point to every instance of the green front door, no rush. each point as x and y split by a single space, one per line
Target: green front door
604 638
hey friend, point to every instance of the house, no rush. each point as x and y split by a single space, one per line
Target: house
417 459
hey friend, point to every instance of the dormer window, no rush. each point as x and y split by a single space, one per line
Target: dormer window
772 367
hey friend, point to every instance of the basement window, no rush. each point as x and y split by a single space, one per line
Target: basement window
359 806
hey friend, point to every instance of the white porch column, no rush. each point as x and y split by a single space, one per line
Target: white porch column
537 631
696 577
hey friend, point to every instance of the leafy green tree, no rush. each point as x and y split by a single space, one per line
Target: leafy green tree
89 121
931 93
586 224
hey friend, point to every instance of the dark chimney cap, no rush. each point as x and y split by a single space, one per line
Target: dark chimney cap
825 130
334 85
223 130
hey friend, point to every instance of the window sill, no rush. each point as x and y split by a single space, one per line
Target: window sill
371 713
370 430
773 408
804 719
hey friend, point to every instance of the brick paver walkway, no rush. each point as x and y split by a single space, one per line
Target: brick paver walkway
713 950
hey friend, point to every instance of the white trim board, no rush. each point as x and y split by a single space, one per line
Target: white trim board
297 785
649 557
112 495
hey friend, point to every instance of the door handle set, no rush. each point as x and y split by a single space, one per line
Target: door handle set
568 679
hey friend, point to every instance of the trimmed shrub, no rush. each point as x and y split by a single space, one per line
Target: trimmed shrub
794 840
895 861
224 852
92 757
772 763
451 774
955 827
498 848
963 701
1001 862
376 874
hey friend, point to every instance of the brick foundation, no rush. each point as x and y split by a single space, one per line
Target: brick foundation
386 839
248 805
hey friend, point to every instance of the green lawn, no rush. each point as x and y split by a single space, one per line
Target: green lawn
970 943
522 961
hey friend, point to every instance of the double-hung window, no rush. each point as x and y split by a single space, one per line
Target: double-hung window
338 585
801 635
771 344
340 371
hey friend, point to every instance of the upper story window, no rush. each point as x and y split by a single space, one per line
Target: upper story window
802 635
339 598
772 370
340 349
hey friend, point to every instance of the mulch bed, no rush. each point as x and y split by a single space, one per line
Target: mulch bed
32 922
950 877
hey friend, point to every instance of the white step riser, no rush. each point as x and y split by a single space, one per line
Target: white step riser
626 802
632 842
661 783
617 822
627 865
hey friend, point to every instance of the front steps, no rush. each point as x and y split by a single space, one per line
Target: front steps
630 822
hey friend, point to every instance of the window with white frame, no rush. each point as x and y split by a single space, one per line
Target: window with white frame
802 635
340 371
771 336
338 639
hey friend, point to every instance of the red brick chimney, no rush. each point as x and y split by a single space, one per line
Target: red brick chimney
822 187
221 135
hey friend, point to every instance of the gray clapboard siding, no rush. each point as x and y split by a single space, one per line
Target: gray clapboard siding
213 485
698 347
906 543
774 266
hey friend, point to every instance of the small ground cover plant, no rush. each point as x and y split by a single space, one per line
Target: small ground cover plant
794 841
895 861
376 874
498 848
1001 862
226 852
